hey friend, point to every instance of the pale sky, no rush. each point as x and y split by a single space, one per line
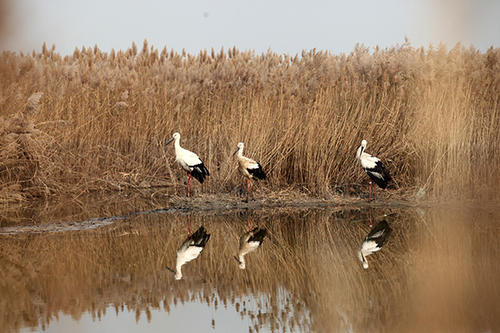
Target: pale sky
284 26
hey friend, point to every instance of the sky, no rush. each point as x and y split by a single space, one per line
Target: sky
283 26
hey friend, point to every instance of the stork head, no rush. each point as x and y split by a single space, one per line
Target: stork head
178 274
175 136
363 260
239 146
360 149
241 261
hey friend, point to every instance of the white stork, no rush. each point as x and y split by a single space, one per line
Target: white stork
373 167
374 241
250 241
190 249
189 161
248 167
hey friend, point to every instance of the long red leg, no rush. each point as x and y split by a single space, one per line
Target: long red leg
190 229
249 223
188 183
248 188
370 198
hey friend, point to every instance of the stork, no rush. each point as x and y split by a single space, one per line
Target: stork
374 241
190 249
189 161
248 167
249 242
373 167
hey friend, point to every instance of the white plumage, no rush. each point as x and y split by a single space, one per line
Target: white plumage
373 167
374 241
190 249
367 161
248 167
249 242
186 159
185 256
189 161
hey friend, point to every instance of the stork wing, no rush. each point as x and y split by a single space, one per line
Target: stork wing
248 163
368 161
192 252
190 158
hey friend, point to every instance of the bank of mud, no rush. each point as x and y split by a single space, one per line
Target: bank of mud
95 212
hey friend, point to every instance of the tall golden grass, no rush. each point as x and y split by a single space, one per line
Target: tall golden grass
430 114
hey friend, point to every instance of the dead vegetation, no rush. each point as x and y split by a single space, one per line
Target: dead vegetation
95 121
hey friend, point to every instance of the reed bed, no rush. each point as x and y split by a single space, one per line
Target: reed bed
95 121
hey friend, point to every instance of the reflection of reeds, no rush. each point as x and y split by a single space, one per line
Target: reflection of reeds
453 273
310 257
431 115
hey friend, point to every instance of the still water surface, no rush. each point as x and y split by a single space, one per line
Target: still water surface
438 271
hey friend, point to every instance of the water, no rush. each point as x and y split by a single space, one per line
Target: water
438 271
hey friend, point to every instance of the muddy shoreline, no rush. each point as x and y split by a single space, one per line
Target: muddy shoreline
206 204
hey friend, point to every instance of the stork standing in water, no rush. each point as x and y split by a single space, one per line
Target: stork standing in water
248 167
190 249
373 167
374 241
189 161
249 242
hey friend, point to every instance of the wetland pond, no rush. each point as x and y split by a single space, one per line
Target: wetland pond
438 272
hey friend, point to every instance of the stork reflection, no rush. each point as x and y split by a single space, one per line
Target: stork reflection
374 241
249 242
190 249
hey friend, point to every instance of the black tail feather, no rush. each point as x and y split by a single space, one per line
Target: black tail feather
200 172
379 169
258 172
382 183
380 233
258 235
200 237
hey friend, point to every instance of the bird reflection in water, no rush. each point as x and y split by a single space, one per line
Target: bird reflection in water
190 249
374 241
250 241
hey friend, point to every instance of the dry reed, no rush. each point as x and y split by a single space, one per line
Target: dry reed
431 114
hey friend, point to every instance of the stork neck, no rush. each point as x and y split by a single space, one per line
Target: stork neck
241 263
359 152
177 144
178 272
240 152
362 257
